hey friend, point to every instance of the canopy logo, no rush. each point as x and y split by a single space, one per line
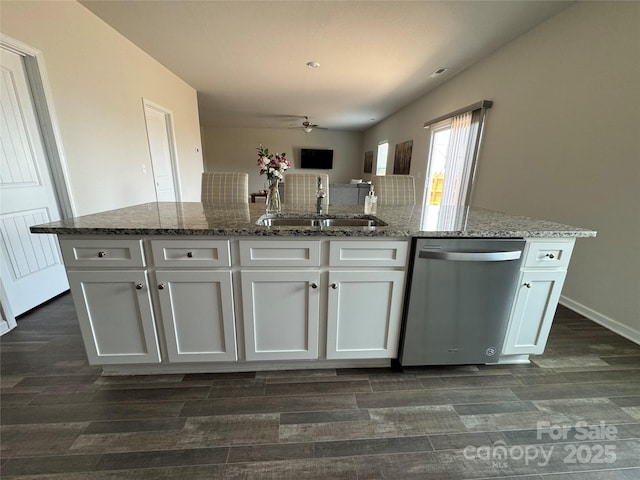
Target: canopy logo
498 453
553 438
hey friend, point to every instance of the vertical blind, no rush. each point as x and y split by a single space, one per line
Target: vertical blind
457 167
461 159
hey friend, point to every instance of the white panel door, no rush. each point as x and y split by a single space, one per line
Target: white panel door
161 148
197 314
31 265
364 313
281 314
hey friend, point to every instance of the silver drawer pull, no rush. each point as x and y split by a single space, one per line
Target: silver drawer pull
102 254
550 255
314 285
190 254
139 286
334 285
161 286
528 285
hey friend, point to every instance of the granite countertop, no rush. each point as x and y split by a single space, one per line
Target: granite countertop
193 218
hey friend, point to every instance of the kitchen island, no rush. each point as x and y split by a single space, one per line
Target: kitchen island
180 287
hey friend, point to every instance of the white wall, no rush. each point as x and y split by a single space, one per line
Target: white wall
98 80
234 150
562 143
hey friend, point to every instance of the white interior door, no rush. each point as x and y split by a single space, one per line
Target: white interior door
31 265
161 148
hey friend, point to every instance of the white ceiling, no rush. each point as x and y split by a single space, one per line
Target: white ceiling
247 59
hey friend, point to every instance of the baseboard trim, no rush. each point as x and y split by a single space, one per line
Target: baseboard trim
607 322
241 366
518 359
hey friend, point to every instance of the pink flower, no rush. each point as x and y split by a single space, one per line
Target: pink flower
273 165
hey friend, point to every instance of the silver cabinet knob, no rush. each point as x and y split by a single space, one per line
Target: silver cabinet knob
161 286
139 286
190 254
334 285
528 285
550 255
314 285
102 254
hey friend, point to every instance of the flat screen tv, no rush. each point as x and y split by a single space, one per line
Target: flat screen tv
316 158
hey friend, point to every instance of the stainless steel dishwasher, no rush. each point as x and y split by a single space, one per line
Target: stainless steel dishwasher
459 300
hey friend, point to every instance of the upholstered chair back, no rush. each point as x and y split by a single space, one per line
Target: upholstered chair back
394 189
300 188
225 188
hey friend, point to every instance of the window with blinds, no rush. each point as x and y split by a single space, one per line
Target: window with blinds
453 154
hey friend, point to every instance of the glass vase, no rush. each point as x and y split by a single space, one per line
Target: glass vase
273 197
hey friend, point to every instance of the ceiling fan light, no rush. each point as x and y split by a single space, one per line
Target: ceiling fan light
308 129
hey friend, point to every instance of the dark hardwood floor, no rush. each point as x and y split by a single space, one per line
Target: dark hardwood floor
62 420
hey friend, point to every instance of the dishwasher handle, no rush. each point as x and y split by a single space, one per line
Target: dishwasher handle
471 256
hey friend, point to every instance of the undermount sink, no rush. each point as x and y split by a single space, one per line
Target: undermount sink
359 221
349 222
289 222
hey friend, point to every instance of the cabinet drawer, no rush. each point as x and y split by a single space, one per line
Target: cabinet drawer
102 253
194 253
368 253
548 254
280 253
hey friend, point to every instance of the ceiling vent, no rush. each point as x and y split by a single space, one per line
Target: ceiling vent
438 72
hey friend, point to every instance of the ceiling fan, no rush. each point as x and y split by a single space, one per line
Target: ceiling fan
307 126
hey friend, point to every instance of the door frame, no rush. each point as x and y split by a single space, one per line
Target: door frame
42 97
7 318
171 135
47 121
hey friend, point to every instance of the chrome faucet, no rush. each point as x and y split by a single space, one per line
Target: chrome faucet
319 197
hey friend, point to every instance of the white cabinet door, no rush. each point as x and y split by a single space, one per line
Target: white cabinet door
115 316
364 313
280 314
533 310
197 315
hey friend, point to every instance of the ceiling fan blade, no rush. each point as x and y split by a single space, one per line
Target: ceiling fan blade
307 126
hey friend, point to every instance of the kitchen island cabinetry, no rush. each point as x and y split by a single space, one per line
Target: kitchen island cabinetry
280 298
185 287
110 288
365 295
364 313
542 275
281 314
196 308
195 298
284 306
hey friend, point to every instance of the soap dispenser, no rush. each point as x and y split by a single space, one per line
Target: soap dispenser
370 202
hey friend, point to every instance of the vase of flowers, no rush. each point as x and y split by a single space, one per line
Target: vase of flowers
273 166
